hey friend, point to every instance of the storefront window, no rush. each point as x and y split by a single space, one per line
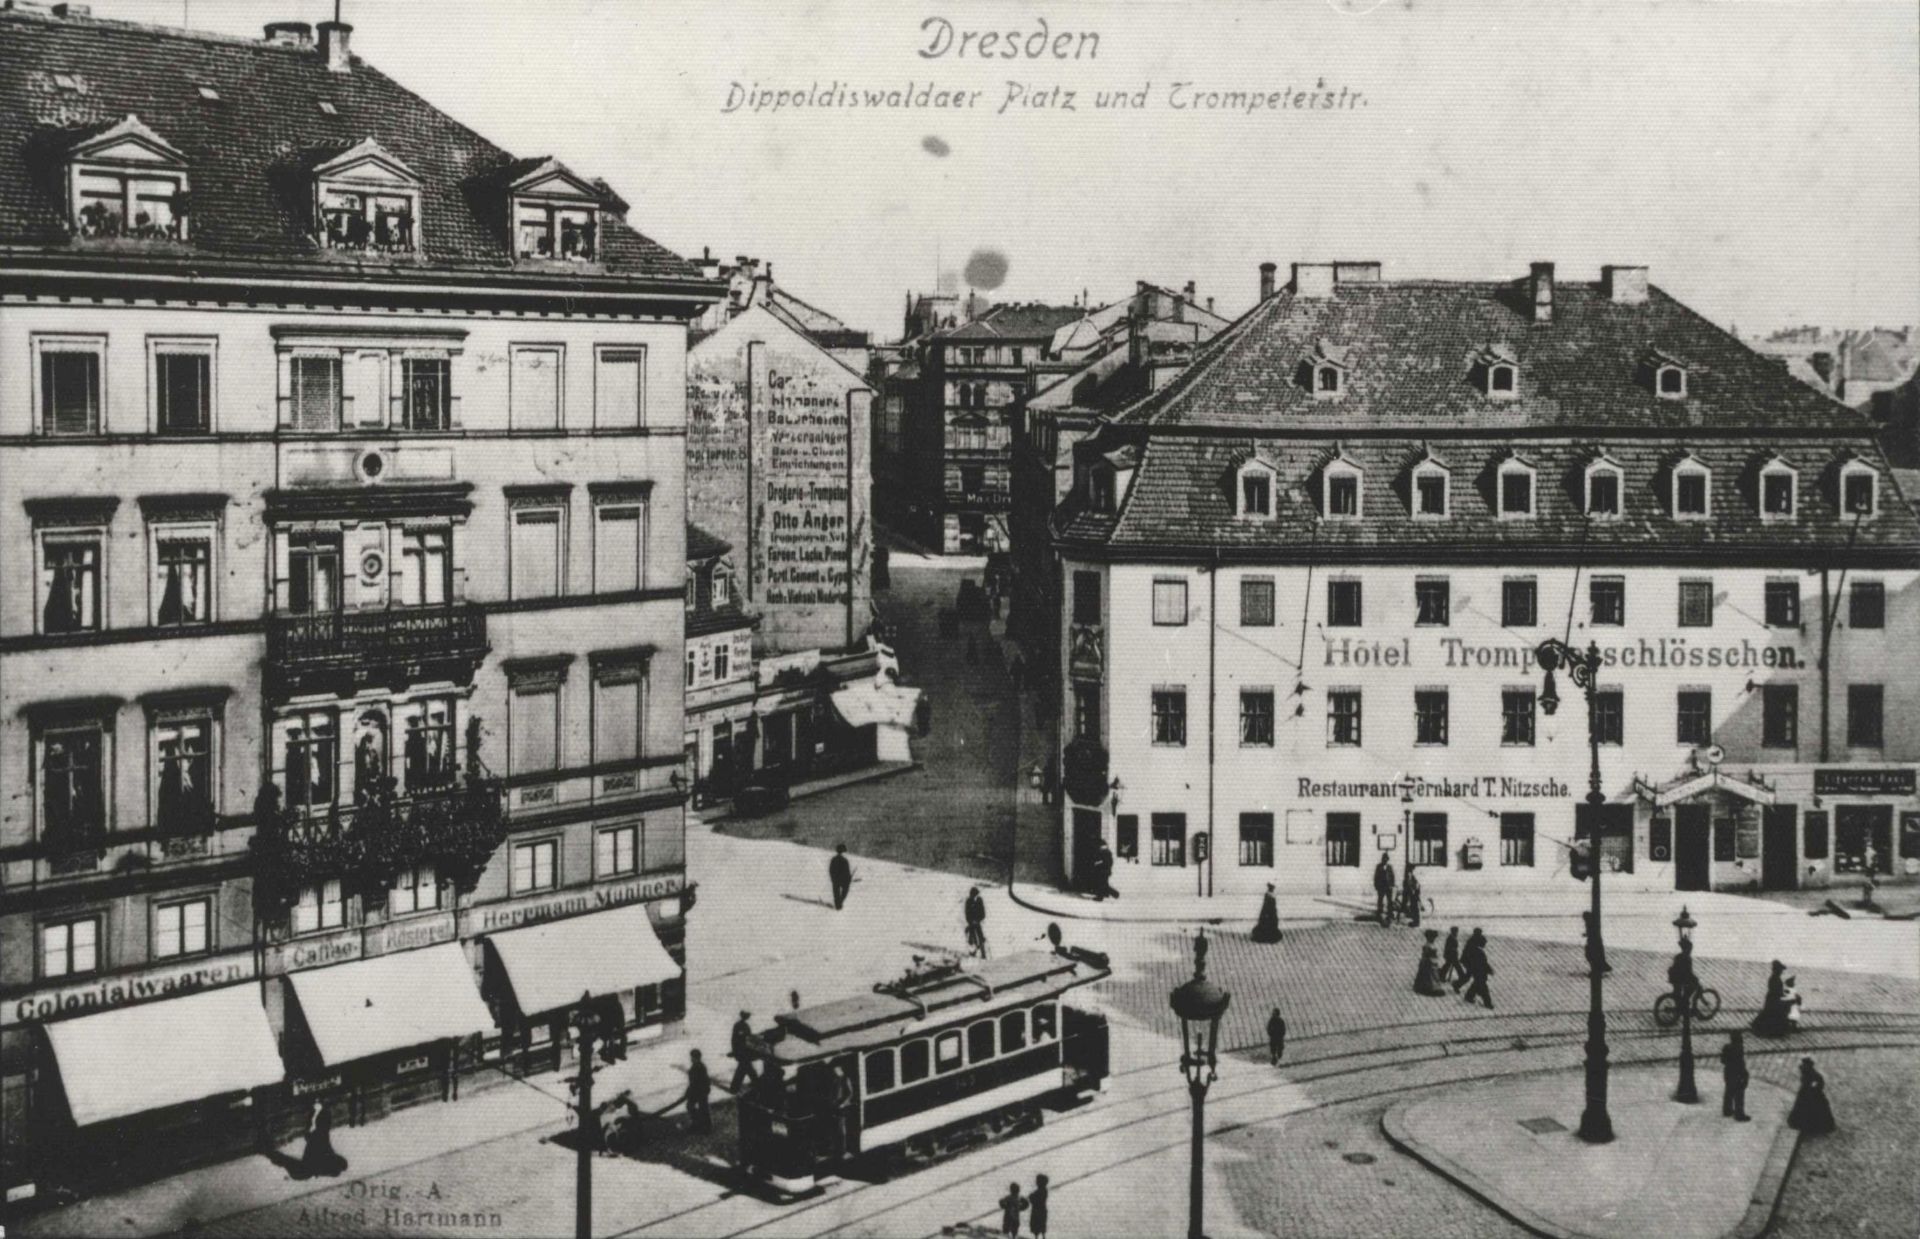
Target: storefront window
1430 839
1169 839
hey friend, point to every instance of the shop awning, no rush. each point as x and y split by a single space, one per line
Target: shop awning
165 1053
552 965
404 999
1688 786
874 702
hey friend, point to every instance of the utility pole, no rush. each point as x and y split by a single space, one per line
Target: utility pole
590 1033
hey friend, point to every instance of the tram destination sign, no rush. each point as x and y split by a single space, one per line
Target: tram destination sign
1863 781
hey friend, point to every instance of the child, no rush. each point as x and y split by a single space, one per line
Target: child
1792 1000
1010 1206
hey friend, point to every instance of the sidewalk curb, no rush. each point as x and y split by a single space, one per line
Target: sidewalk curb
824 786
1762 1205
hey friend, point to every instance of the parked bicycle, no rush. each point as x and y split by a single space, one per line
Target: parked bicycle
1706 1005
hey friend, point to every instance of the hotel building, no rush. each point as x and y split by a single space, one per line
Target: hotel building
1303 582
341 503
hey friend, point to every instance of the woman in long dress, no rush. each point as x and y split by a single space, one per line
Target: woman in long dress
1426 979
1812 1113
1772 1020
318 1158
1267 928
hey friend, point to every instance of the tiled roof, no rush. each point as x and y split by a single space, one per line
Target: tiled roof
703 545
1411 348
729 618
1182 498
249 152
1017 322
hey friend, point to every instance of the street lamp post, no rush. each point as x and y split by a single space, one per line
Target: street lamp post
1596 1126
1199 1003
1407 784
1686 1092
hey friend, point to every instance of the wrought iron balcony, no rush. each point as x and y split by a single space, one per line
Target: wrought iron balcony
356 648
455 828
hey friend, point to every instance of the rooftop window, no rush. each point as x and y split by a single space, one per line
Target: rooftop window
1603 489
128 183
1779 491
556 215
209 94
1323 372
1859 489
1256 490
1692 490
1340 485
1499 373
1430 490
366 199
1516 490
326 105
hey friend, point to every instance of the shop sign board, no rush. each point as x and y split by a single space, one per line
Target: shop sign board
104 993
1863 781
493 918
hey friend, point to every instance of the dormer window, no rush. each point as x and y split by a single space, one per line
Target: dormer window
1516 489
1859 489
1603 489
366 200
1324 371
128 183
1779 491
556 215
1100 488
1431 500
722 585
1499 372
1256 490
1692 490
1669 374
1340 487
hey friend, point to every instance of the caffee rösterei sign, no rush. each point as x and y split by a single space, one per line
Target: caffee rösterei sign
1863 781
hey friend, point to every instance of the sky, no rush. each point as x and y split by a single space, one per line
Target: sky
1763 159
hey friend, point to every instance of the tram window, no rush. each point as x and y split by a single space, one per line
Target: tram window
1044 1026
946 1051
1013 1031
879 1071
913 1062
980 1041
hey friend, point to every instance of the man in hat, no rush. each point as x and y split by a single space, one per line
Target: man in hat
699 1088
1733 1075
1478 968
840 875
744 1072
1383 889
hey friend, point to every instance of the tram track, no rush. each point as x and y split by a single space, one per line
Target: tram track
1303 1072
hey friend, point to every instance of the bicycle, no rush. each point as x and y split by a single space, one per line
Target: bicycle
1706 1005
977 939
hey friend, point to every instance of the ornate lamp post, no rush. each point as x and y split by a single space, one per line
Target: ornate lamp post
1199 1003
1407 784
1686 1092
1596 1126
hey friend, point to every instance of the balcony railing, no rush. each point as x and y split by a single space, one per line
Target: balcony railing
455 828
365 645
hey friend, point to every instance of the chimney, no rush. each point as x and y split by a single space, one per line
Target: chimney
1189 290
1313 279
1542 281
290 34
710 270
333 45
1624 285
1266 279
1209 305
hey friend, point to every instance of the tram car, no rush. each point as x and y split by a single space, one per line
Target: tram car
948 1056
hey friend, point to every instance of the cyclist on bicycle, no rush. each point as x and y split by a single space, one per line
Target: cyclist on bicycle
1680 975
976 914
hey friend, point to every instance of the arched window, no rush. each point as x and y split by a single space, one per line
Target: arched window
1859 490
1603 486
1779 491
1692 490
1256 490
1340 491
1517 498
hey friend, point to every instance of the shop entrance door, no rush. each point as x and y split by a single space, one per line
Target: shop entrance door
1086 844
1855 828
1692 847
1779 848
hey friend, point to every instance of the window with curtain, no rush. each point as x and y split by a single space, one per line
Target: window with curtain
69 391
73 783
183 752
183 391
427 393
426 567
183 567
70 583
312 758
429 744
315 393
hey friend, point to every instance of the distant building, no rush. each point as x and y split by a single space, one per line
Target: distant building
779 436
1850 365
943 440
750 283
1093 366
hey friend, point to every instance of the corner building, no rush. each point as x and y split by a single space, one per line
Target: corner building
340 668
1303 583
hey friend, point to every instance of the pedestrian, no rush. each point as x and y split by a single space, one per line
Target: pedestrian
1681 978
318 1157
1812 1113
1474 960
975 911
744 1071
699 1089
1267 928
1037 1208
1450 969
1426 981
1010 1206
1773 1020
1596 949
1276 1037
1411 898
840 874
1103 873
843 1113
1733 1074
1383 889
